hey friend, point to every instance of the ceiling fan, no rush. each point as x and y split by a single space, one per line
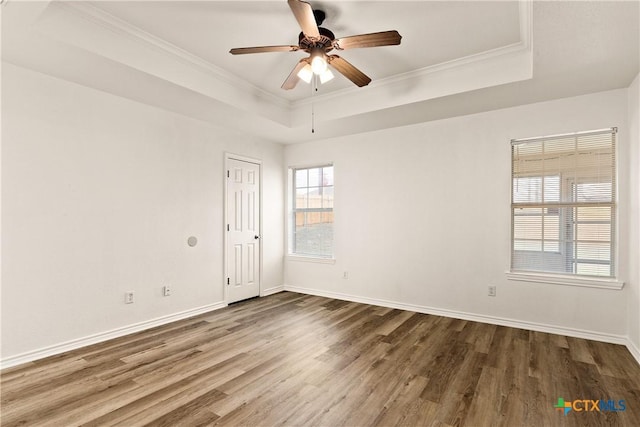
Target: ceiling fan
317 42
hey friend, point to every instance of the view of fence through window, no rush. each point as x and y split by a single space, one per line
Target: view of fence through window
312 219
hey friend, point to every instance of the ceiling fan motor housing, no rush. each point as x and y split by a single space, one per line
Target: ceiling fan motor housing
325 40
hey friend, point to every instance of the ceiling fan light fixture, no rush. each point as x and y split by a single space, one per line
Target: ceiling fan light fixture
327 76
305 73
318 64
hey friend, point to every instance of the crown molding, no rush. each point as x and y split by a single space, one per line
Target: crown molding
113 23
106 20
500 65
525 8
457 63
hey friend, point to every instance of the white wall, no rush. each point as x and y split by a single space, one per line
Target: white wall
634 231
422 217
99 195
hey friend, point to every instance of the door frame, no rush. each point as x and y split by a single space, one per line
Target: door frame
225 249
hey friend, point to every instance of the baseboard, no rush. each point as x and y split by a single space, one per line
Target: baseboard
634 350
271 291
118 332
30 356
532 326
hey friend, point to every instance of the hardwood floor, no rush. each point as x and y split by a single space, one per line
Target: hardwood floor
299 360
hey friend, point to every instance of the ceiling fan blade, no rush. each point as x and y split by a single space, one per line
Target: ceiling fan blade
293 78
261 49
349 71
304 15
384 38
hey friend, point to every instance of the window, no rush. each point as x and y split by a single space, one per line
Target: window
563 204
312 212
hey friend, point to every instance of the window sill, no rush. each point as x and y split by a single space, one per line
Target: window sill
586 282
311 259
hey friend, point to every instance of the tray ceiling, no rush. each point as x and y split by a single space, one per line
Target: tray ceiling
456 57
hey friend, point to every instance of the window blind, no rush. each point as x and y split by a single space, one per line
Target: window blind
563 203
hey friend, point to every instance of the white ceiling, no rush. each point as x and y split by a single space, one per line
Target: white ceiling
456 57
209 29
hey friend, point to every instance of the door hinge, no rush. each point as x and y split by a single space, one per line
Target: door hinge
228 227
228 281
227 174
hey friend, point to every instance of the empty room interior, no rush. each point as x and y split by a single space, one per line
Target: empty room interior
324 213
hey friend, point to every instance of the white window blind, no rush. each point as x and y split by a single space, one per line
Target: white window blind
563 204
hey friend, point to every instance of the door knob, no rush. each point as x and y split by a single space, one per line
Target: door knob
256 237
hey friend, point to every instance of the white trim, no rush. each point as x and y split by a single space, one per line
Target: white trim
119 26
100 17
52 350
311 165
458 63
611 130
271 291
137 327
232 156
525 19
532 326
635 351
581 281
289 202
318 260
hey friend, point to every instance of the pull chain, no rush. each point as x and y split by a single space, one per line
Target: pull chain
314 89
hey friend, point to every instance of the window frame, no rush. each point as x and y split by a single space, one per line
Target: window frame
292 210
565 278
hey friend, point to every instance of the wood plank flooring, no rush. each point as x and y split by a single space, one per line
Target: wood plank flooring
299 360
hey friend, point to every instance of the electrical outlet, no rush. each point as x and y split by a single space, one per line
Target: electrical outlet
492 291
345 275
166 291
128 297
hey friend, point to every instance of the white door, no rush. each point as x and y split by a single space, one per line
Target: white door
243 230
